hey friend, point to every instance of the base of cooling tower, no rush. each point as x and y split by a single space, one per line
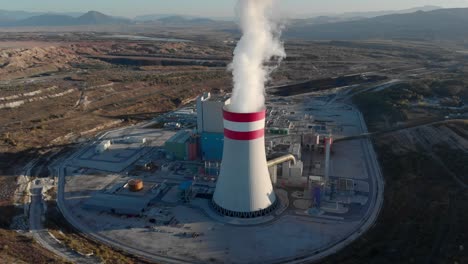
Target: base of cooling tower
260 213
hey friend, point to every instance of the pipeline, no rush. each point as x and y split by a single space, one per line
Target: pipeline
279 160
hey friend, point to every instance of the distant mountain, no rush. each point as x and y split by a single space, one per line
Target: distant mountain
153 17
319 20
437 24
182 20
388 12
90 18
19 15
73 14
46 20
97 18
353 16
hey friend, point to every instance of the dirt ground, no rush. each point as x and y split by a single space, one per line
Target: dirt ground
424 216
15 247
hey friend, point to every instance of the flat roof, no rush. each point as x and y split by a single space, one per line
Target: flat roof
185 185
118 202
180 137
216 97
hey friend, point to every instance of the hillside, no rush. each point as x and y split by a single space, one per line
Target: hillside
97 18
45 20
181 20
17 63
434 25
371 14
353 16
90 18
14 15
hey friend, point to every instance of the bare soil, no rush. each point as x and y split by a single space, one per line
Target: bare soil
423 218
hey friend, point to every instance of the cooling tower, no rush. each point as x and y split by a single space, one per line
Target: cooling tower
244 186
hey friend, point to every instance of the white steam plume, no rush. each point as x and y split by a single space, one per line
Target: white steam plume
259 45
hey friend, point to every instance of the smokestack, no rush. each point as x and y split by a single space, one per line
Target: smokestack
244 187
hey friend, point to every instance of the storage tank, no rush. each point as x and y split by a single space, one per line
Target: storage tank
135 185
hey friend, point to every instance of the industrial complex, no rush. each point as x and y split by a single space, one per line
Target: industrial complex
204 183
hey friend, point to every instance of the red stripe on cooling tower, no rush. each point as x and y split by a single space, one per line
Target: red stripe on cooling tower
244 117
251 135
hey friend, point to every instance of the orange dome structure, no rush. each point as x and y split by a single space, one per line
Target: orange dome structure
135 185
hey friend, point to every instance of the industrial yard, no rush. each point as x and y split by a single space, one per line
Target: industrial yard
328 190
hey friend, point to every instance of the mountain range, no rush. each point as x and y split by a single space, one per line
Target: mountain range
182 20
353 16
24 18
19 15
434 25
51 19
371 14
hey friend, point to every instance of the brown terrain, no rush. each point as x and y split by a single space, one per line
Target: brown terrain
420 132
57 89
423 219
54 95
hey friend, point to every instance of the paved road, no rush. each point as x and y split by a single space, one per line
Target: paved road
41 234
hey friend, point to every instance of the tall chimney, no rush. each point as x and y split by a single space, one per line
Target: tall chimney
244 187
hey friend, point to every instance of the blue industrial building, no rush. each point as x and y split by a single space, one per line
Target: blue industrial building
212 146
210 126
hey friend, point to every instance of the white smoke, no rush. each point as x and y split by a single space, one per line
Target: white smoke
259 44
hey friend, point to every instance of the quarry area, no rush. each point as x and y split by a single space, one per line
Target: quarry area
108 154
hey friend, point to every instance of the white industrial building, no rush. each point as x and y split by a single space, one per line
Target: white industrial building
102 146
293 170
210 113
295 149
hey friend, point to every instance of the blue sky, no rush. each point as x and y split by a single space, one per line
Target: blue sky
215 8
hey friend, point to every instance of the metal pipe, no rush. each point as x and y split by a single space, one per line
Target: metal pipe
282 159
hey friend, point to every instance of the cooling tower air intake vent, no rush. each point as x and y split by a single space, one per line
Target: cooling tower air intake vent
259 213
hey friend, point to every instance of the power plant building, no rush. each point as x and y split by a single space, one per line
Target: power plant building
210 113
212 146
183 146
210 125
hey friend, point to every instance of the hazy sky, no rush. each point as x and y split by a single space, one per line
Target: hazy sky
218 8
